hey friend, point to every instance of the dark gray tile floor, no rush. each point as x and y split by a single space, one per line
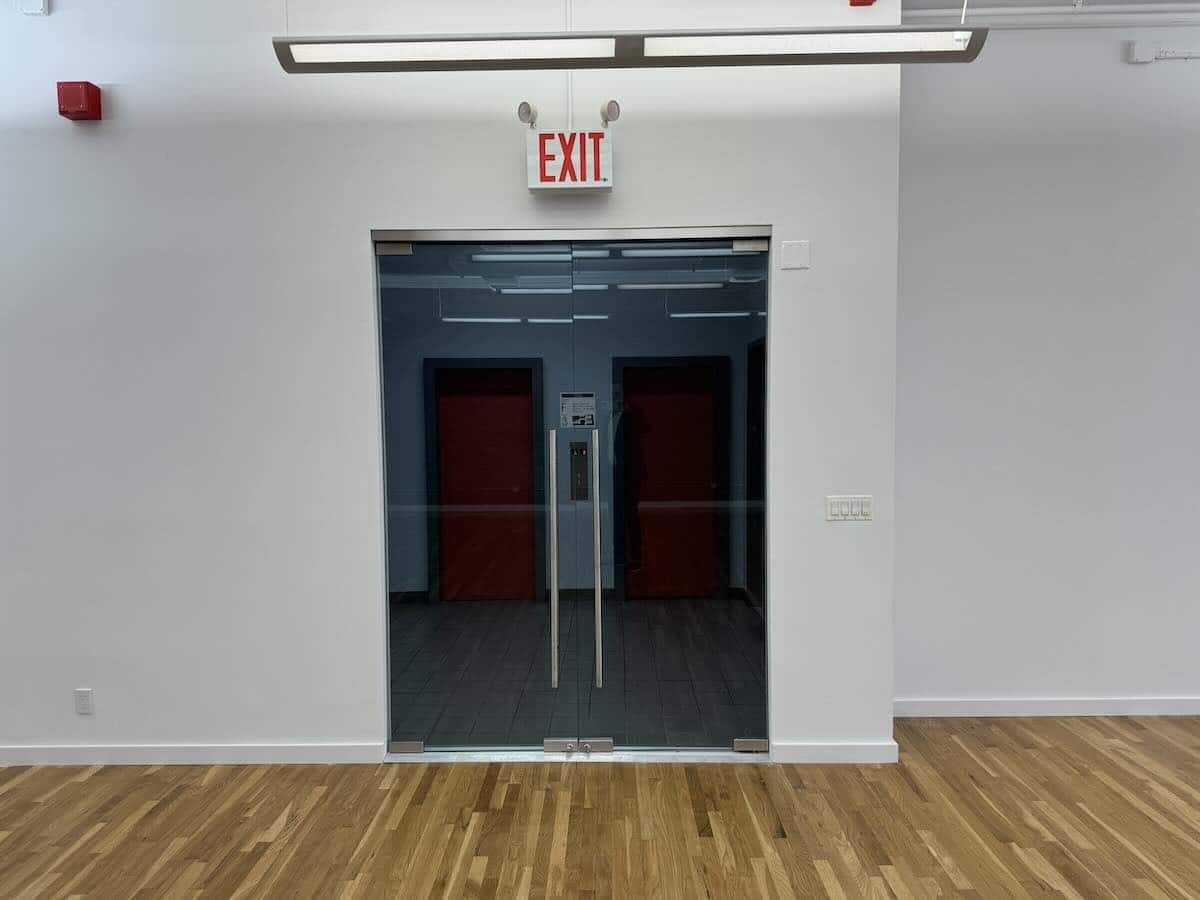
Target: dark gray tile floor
677 673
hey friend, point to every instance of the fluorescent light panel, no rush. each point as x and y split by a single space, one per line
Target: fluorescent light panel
486 49
630 50
811 43
549 321
590 317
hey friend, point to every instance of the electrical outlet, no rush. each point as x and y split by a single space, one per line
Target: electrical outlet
83 701
849 508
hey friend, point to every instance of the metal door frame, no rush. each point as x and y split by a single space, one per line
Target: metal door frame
392 241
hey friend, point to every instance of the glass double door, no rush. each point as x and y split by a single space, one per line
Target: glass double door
572 527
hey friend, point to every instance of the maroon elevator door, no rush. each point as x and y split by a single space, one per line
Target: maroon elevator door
671 481
485 482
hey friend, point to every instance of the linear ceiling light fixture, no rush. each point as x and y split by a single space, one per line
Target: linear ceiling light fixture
631 50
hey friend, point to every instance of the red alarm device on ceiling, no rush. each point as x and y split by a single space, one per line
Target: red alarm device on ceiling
79 101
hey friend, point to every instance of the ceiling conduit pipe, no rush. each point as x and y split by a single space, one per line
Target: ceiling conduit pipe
1064 15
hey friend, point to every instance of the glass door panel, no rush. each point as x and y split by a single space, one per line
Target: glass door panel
573 438
473 347
663 335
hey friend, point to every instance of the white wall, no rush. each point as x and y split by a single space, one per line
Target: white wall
189 422
1048 446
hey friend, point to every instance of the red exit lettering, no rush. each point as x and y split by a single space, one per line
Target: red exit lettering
575 150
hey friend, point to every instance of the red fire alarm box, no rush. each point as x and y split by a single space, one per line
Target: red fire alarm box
79 101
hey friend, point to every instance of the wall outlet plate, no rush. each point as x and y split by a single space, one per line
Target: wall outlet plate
83 701
849 508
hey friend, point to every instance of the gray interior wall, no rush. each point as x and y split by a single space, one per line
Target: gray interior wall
574 357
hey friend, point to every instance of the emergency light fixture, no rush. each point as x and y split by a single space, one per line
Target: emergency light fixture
631 50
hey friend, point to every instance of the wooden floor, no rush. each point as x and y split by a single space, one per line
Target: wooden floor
991 808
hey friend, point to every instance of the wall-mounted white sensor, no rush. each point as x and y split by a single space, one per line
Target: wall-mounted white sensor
610 111
527 113
34 7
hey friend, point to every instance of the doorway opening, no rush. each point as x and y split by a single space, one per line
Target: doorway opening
575 491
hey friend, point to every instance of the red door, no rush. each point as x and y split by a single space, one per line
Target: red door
670 424
485 478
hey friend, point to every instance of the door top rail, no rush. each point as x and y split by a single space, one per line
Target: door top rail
473 235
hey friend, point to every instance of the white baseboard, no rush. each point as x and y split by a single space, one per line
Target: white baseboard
187 754
853 752
984 707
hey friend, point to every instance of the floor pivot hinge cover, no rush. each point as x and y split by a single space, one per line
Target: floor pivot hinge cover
751 745
406 747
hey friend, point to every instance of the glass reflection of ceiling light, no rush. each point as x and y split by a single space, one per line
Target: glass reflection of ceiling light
549 321
710 315
473 320
699 251
762 313
590 254
520 290
591 287
630 49
588 317
520 257
674 286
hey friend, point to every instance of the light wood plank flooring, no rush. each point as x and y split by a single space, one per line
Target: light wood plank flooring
1101 807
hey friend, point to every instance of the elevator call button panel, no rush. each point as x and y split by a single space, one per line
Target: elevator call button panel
579 470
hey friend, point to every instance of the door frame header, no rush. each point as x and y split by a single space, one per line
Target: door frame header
479 235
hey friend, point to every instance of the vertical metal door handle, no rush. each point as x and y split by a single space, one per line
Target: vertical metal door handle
596 555
553 453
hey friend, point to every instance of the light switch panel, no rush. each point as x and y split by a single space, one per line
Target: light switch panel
849 508
795 255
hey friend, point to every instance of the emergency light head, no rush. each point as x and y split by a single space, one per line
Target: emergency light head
610 111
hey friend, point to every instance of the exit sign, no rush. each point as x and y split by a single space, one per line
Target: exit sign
565 160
